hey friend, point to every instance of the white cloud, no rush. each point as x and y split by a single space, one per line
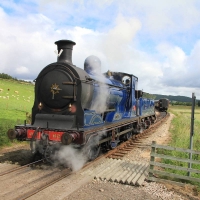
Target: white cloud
138 37
159 18
179 69
118 39
22 70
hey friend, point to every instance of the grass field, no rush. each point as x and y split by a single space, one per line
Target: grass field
180 129
181 125
16 99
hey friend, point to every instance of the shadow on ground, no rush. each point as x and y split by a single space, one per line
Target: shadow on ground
21 157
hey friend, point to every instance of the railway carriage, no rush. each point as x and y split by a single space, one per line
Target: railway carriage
162 104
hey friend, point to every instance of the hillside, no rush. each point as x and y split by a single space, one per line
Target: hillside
174 98
16 100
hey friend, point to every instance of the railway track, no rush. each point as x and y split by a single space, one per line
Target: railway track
34 178
20 168
65 173
137 141
25 181
41 179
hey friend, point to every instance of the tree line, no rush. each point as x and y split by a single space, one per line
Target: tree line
6 76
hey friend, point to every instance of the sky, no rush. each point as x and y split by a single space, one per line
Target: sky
156 40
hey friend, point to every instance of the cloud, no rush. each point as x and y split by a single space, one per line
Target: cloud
22 70
156 41
179 69
117 40
25 44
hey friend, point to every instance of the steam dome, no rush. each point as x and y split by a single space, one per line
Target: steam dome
92 65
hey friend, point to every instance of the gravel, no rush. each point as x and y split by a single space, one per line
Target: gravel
149 190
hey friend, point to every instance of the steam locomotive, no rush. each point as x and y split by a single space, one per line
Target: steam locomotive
83 108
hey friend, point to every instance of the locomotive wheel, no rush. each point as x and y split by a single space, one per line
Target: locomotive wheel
93 152
49 154
105 147
128 135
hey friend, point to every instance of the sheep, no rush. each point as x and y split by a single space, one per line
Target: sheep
16 91
1 90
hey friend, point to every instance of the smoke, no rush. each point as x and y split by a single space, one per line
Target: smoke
76 158
71 157
100 102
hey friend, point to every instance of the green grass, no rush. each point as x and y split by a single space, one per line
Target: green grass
181 125
180 137
13 105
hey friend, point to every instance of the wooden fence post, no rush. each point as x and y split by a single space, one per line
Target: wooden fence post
191 132
153 150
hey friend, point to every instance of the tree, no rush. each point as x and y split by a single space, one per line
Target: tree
5 76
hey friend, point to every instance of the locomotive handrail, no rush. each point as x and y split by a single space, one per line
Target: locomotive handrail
69 83
107 84
87 81
68 97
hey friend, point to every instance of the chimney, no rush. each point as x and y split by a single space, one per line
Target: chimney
66 46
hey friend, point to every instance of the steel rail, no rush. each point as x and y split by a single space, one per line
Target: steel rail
19 168
45 185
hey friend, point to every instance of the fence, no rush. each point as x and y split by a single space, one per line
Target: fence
156 172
